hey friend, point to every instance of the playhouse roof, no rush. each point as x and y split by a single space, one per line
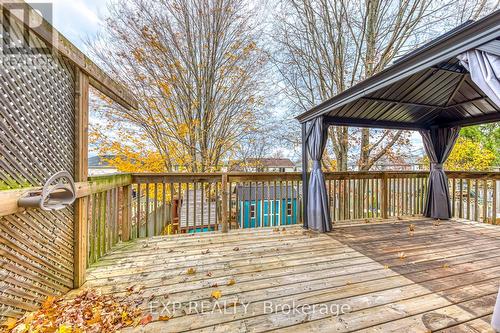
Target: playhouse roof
267 193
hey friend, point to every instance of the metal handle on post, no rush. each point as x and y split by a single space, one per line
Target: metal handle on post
57 193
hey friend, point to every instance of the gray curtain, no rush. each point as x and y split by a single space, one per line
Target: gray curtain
438 143
318 213
483 63
495 320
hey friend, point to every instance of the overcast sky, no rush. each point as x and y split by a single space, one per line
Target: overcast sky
77 19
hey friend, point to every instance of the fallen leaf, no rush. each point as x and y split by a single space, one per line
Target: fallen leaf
126 318
386 266
191 271
48 302
29 318
10 323
65 329
236 249
231 282
215 285
137 321
233 304
163 318
89 311
146 320
412 227
402 255
96 318
446 266
209 274
216 294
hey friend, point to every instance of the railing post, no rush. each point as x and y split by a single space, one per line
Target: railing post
126 221
305 184
384 196
81 173
494 203
224 203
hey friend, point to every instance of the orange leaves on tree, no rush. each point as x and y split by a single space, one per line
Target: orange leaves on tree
138 54
165 88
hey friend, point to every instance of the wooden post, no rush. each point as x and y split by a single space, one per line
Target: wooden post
126 221
305 184
224 195
485 200
81 174
494 203
384 197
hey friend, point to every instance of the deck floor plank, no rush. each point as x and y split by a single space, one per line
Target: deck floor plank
441 277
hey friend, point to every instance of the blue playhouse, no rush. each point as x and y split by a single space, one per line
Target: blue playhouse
266 206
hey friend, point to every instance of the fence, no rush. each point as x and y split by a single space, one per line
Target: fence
185 203
474 196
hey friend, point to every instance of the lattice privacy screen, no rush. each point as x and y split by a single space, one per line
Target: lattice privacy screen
37 119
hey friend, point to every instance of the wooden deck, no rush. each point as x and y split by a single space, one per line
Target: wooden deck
440 277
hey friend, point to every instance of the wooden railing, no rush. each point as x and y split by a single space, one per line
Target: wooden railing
129 206
365 195
187 203
108 215
474 195
175 203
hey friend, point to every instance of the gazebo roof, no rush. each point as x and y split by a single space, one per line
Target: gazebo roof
426 88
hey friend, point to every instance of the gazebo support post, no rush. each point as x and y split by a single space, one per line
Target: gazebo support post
305 184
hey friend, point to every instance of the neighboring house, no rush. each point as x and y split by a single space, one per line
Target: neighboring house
263 165
268 206
398 163
99 166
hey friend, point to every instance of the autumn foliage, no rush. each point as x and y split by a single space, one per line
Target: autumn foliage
468 155
88 312
195 68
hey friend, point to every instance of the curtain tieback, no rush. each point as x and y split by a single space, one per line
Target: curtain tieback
316 165
436 166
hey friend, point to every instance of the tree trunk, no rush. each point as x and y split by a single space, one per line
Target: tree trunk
340 140
364 154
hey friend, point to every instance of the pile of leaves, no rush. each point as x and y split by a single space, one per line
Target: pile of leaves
88 312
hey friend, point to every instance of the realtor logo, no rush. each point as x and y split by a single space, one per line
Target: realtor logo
18 37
